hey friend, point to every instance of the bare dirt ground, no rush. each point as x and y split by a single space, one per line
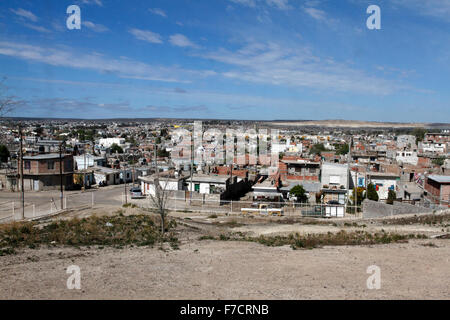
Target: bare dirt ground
211 269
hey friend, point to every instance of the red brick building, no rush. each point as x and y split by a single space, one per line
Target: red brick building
42 172
438 188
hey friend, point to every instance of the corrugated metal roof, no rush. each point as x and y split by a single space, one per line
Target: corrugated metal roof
43 156
440 179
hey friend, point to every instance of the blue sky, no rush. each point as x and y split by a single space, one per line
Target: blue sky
229 59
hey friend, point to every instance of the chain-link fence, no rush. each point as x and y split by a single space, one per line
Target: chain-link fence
252 208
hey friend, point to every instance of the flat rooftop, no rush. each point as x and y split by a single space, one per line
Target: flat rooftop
440 179
44 156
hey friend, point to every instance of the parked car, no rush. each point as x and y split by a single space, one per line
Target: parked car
136 193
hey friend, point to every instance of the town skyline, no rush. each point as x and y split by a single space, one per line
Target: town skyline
228 59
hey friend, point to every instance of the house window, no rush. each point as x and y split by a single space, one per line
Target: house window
27 165
51 165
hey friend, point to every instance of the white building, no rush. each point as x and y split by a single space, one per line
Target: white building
334 175
108 142
208 184
166 182
409 157
383 182
85 161
439 148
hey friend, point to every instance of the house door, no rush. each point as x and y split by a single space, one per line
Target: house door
36 185
197 187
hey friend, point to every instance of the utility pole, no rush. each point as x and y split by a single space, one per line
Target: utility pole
21 172
192 168
61 175
356 179
348 168
133 167
125 184
156 180
84 168
156 159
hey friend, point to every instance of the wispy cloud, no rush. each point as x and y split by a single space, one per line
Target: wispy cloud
272 63
25 14
158 12
146 35
315 13
123 67
94 26
96 2
180 40
279 4
36 27
178 109
434 8
248 3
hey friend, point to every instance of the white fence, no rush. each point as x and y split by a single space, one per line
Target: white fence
13 210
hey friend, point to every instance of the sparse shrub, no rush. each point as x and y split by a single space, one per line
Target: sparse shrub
206 238
116 231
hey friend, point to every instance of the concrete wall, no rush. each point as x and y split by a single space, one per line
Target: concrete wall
337 171
374 209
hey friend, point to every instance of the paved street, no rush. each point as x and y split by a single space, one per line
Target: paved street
45 201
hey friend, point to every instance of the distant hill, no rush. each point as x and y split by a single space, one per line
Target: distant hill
337 123
355 124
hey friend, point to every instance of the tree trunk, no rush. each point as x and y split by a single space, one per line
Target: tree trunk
162 224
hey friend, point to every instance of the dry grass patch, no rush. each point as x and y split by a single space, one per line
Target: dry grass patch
114 231
309 241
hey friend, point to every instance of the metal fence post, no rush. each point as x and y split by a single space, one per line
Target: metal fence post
92 199
14 213
34 210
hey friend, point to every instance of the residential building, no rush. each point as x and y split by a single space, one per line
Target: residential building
42 172
438 189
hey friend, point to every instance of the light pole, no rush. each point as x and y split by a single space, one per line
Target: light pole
21 172
125 183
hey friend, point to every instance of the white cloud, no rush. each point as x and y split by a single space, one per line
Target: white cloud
96 2
248 3
146 35
37 28
434 8
279 4
25 14
316 13
158 12
123 68
180 40
94 27
298 67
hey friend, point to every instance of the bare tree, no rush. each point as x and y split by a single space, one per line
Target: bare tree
160 199
7 102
